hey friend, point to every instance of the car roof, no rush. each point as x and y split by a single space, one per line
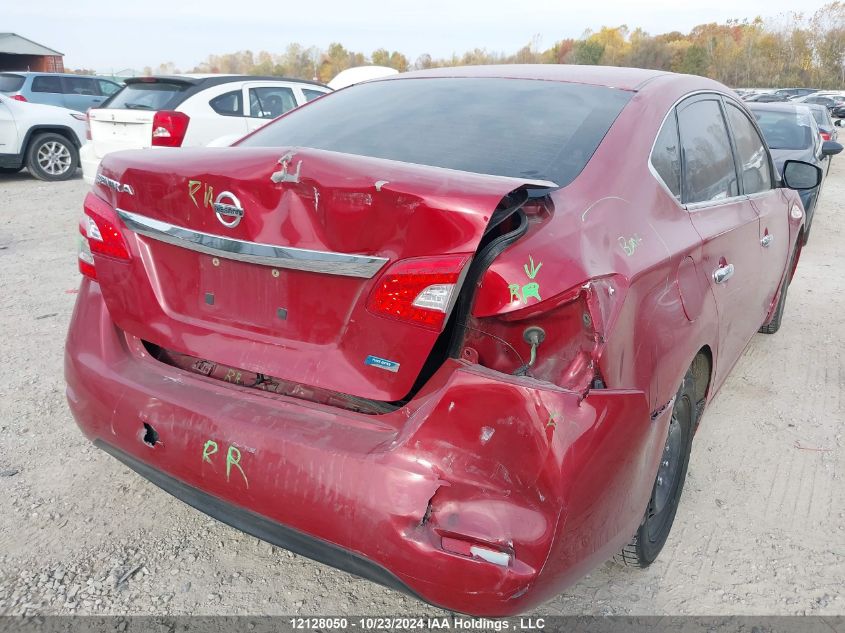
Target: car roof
779 106
207 80
610 76
33 73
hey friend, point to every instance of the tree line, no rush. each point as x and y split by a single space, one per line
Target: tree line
793 49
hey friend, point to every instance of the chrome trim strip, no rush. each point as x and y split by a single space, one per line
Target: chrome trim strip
363 266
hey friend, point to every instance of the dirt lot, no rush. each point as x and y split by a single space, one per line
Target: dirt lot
761 528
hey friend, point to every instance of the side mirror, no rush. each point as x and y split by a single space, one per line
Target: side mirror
801 176
838 122
831 148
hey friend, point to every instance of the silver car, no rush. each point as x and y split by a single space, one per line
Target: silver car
76 92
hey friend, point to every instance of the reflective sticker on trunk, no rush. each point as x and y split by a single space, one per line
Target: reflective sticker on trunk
382 363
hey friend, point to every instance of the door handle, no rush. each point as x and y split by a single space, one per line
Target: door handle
721 275
767 240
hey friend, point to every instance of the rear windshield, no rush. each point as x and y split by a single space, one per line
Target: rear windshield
505 127
785 130
159 95
10 83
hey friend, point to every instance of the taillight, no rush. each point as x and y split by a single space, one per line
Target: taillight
84 257
825 136
101 235
169 128
19 98
421 291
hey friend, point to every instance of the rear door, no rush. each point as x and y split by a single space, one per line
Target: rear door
215 112
8 131
47 89
757 182
727 222
81 93
266 100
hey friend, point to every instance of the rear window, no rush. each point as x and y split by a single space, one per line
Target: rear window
505 127
820 116
10 83
785 130
159 95
47 83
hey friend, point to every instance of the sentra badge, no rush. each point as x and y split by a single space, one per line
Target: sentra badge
113 184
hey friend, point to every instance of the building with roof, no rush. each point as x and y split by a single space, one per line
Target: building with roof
19 53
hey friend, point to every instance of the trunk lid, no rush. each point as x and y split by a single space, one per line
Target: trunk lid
281 287
114 129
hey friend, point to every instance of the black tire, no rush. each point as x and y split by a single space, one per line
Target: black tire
669 484
52 157
10 170
774 323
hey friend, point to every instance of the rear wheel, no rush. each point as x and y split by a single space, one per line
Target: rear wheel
52 157
666 494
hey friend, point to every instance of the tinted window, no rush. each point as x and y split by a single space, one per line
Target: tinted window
752 159
47 83
228 104
509 127
10 83
786 130
107 88
268 103
709 172
310 95
666 155
80 86
157 95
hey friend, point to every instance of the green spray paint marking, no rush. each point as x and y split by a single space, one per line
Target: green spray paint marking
206 452
551 422
630 245
531 272
233 458
531 289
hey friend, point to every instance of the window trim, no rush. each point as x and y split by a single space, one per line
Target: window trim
698 205
773 178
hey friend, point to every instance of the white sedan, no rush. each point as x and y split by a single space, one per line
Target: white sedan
188 110
43 138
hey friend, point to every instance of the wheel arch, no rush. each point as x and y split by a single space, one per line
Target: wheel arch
62 130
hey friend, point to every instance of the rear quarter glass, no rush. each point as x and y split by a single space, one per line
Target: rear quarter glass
521 128
11 83
158 95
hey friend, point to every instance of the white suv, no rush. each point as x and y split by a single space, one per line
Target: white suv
188 110
43 138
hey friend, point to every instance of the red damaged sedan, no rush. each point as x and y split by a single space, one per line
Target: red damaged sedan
452 331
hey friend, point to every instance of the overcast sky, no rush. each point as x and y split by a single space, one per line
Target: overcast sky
119 34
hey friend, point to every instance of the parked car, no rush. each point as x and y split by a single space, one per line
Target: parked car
793 93
829 101
766 97
827 128
475 312
76 92
44 139
188 110
792 134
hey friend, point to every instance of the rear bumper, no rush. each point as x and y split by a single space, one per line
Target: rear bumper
89 162
556 481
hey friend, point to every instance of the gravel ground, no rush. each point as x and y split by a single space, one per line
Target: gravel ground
760 529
